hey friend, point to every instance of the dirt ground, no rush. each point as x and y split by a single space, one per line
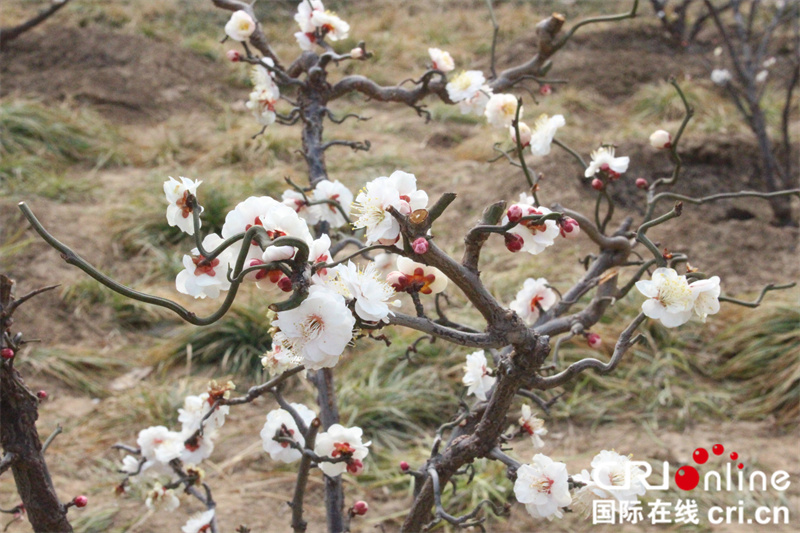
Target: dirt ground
139 84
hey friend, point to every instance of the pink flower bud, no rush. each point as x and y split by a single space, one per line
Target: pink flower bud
233 56
389 242
514 242
524 134
642 183
594 340
545 90
597 184
7 353
81 501
360 508
570 228
42 395
285 284
605 166
514 213
420 246
404 466
660 139
357 52
397 280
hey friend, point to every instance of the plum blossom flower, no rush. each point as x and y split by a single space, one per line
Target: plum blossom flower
441 60
199 523
535 237
159 445
476 375
366 288
465 85
670 299
543 486
196 447
340 441
398 191
298 202
305 40
332 191
476 104
720 76
603 159
532 425
419 277
130 464
319 329
660 139
305 10
197 407
245 215
280 357
162 499
706 296
265 94
281 423
202 278
612 476
330 24
524 134
534 296
179 212
240 26
543 132
501 109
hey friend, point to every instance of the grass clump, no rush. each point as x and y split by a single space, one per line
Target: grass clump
82 370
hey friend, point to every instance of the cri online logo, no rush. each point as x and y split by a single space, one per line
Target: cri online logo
687 477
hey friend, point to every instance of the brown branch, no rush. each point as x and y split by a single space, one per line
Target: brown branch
9 34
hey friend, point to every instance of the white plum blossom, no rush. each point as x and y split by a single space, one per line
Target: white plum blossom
281 423
532 425
320 253
319 329
199 523
419 277
161 499
283 221
761 77
535 237
305 40
197 448
398 191
240 26
195 408
670 299
476 375
367 289
543 132
130 464
297 201
332 191
245 215
330 24
707 293
201 278
159 445
660 139
305 10
280 358
543 487
476 104
603 159
441 60
524 134
465 85
265 95
534 296
612 476
501 109
720 76
385 262
179 213
340 441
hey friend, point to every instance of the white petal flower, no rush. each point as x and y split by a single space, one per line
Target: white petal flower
305 10
281 357
332 191
265 95
501 109
130 464
178 212
660 139
613 476
476 104
603 159
340 441
465 85
419 277
295 200
305 40
670 299
543 486
535 237
761 77
201 278
707 293
532 425
525 134
197 448
330 24
199 523
441 60
720 76
366 287
197 407
476 375
534 295
240 26
281 423
159 445
162 499
319 329
398 191
543 132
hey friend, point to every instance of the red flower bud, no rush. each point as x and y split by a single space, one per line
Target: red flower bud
420 245
594 340
514 213
80 501
570 227
7 353
514 242
545 90
597 184
360 508
233 56
42 395
404 466
642 183
285 284
397 280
